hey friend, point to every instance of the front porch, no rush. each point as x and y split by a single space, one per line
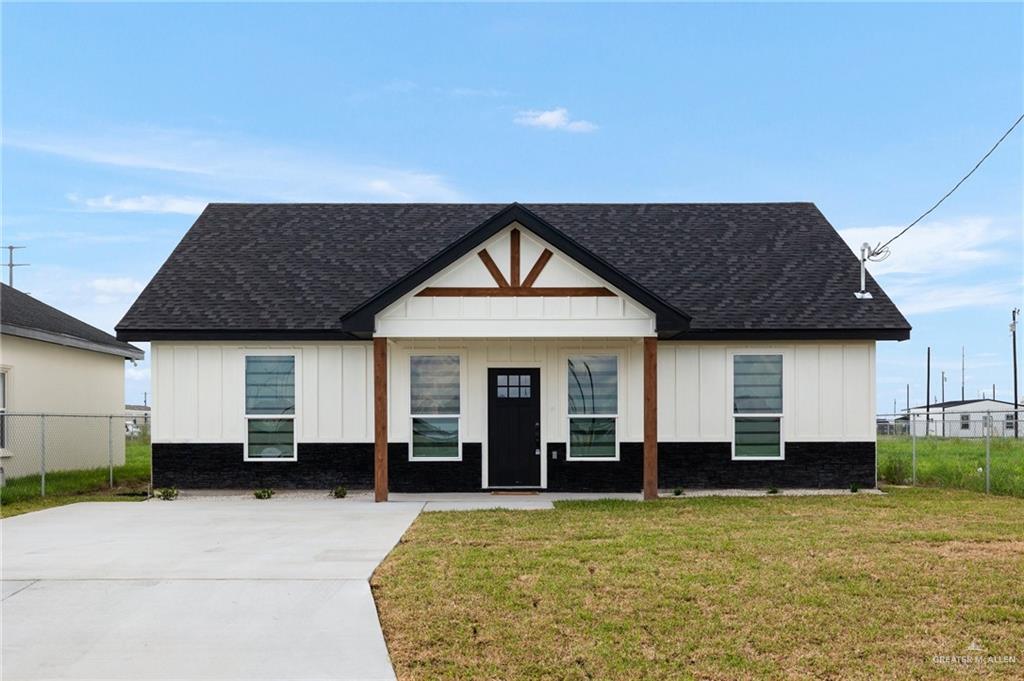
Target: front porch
561 415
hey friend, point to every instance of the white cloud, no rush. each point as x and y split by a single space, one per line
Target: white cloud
928 296
112 290
146 203
80 237
138 373
934 247
240 167
554 119
941 266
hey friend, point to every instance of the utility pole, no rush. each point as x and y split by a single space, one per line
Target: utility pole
963 372
928 394
144 396
11 264
908 399
1013 333
943 402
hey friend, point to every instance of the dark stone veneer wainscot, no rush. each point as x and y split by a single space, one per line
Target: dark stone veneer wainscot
709 465
694 465
221 466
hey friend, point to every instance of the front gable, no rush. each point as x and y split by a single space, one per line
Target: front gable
485 265
515 284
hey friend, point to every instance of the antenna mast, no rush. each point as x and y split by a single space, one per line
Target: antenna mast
11 264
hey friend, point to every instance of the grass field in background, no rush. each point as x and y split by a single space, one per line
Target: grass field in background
954 463
858 586
21 495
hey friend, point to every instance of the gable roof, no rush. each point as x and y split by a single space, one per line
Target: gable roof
298 271
361 318
959 403
24 316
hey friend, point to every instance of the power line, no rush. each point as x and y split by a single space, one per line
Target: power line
879 252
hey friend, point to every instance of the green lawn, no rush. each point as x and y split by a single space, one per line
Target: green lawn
859 586
131 482
950 462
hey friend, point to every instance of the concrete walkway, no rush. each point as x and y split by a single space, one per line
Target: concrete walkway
201 588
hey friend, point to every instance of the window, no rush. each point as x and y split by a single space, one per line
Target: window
435 407
513 386
3 409
270 408
965 421
1009 421
757 406
593 406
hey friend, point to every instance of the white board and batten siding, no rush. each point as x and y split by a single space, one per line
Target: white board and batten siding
199 390
828 390
415 316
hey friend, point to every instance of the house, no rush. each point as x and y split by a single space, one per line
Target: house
54 364
563 347
965 418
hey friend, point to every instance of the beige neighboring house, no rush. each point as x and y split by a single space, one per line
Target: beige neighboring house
52 363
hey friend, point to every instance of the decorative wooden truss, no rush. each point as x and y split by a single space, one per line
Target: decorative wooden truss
515 288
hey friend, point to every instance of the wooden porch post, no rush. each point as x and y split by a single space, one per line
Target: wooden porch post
650 418
380 419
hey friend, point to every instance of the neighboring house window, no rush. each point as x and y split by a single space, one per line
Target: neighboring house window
1009 421
270 407
593 406
435 407
3 409
757 406
965 421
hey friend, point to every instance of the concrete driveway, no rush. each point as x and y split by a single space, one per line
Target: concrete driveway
206 588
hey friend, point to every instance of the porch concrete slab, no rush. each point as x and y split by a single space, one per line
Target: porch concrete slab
479 501
194 629
226 538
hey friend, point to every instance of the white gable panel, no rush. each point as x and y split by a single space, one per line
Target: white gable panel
515 316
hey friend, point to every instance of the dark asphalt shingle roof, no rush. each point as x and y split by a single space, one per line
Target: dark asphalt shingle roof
18 311
756 266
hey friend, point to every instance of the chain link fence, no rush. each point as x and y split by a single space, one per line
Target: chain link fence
44 454
981 451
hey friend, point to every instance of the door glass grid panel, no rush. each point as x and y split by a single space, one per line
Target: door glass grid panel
513 386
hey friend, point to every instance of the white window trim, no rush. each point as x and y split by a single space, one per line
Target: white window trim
6 371
781 416
461 354
619 355
268 352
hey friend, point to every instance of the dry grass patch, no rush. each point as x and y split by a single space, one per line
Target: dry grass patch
720 588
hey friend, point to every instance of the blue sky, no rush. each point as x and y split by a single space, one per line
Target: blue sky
121 121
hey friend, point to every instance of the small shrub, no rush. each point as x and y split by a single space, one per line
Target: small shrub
340 492
677 492
263 493
773 490
854 488
167 493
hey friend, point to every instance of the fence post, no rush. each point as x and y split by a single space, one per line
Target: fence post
913 451
110 449
988 450
42 455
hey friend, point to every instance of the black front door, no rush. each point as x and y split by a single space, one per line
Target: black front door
513 427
